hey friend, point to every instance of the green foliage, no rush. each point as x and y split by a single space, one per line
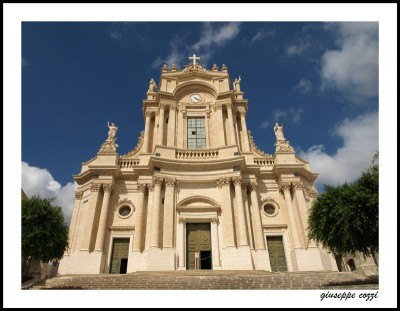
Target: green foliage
345 219
44 233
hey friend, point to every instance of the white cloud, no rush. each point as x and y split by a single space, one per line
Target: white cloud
300 46
262 34
38 181
211 38
176 55
360 142
304 86
353 68
292 114
264 125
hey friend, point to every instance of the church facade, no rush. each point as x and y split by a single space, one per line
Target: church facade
195 192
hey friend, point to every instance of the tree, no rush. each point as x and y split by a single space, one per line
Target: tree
345 219
44 232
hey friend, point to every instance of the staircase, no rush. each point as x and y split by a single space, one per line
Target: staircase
209 279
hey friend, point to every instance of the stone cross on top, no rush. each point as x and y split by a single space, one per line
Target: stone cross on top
194 59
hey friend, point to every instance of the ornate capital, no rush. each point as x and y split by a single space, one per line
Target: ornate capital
148 114
237 180
158 181
215 220
225 181
172 107
108 188
297 185
182 220
78 195
229 106
141 187
216 107
170 182
150 187
284 186
242 113
313 192
253 186
95 187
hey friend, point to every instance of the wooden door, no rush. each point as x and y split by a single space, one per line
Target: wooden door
119 256
198 238
276 253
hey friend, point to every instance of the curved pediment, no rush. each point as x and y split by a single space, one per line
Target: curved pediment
196 85
198 203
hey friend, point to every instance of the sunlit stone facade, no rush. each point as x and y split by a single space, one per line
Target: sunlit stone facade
195 192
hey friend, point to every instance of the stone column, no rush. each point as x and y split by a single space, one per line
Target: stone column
246 145
75 220
146 133
168 232
87 228
139 218
155 221
227 220
257 227
219 128
181 247
160 134
302 210
150 200
232 140
285 188
101 231
171 127
215 244
242 241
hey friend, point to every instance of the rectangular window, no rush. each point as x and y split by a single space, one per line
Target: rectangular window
196 134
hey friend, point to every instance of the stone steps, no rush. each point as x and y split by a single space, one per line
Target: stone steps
213 280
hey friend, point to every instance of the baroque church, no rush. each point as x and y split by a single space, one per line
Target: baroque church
195 192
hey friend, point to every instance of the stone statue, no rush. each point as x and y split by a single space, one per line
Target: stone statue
152 86
236 84
279 132
112 131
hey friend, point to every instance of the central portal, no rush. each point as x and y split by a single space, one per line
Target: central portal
198 239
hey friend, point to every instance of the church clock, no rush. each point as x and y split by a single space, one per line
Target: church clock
195 98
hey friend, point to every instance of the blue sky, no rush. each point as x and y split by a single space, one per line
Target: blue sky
320 79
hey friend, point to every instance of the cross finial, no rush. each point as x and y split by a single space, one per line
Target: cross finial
194 59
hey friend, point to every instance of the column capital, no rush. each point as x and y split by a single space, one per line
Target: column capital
172 107
148 114
158 181
170 182
216 107
225 181
78 195
95 187
182 220
108 187
242 114
253 186
313 192
237 180
215 220
284 186
141 187
229 106
150 187
297 185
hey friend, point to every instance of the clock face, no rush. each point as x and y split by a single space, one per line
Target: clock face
195 98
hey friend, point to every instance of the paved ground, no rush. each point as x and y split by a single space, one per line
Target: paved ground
212 279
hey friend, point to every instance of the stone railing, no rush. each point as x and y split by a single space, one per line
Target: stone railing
264 161
196 154
127 163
